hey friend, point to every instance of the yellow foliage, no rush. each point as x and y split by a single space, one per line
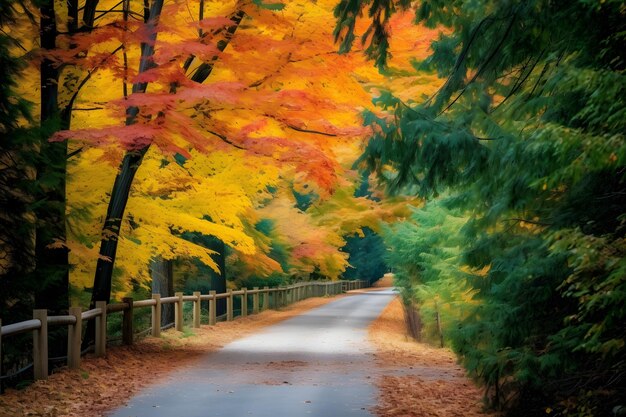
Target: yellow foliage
296 113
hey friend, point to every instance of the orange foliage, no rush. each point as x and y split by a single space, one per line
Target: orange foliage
280 102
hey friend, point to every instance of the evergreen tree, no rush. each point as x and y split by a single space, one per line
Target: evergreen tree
366 250
526 136
367 256
16 180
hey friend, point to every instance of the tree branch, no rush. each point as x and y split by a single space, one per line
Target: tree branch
68 107
316 132
225 139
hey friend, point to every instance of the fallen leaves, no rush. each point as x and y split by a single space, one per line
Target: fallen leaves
417 380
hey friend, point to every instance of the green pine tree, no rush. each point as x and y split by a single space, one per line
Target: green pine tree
526 138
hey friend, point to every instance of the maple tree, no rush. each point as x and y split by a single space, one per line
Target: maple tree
176 120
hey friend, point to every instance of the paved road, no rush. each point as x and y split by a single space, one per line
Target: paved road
313 365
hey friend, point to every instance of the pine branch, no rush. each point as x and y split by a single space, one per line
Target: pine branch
484 65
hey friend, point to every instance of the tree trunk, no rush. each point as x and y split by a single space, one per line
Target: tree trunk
51 255
413 320
52 272
122 185
162 272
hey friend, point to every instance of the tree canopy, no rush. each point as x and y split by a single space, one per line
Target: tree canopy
524 140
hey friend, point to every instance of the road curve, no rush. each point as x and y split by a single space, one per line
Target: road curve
313 365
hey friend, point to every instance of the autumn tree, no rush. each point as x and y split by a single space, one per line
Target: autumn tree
526 137
178 119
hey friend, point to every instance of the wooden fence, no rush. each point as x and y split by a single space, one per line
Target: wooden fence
262 299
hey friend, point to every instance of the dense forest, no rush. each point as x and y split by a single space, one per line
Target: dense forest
517 255
475 148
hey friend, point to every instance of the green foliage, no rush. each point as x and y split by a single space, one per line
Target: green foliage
425 253
367 254
366 250
526 138
17 185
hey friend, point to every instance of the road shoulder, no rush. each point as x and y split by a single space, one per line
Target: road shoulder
415 379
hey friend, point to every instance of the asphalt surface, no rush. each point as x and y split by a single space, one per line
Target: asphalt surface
318 364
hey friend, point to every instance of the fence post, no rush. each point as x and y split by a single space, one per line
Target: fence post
40 345
156 316
178 312
244 303
266 298
212 308
74 335
229 306
127 322
196 309
255 301
101 329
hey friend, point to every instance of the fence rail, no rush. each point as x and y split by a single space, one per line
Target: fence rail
262 299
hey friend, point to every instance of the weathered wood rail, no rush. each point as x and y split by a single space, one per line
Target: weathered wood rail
262 299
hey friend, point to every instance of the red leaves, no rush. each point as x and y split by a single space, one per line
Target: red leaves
169 51
224 92
130 137
189 93
308 160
